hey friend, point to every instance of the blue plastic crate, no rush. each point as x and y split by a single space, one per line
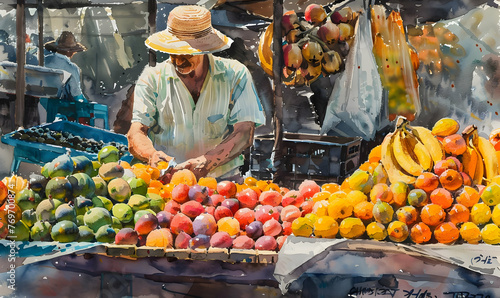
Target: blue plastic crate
40 153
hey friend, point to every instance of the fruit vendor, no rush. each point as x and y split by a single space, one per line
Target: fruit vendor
200 109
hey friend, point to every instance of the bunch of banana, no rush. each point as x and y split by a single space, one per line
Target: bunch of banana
409 151
479 160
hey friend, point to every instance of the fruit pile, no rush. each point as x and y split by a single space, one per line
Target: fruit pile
66 139
314 45
420 186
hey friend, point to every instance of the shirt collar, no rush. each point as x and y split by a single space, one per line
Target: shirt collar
215 68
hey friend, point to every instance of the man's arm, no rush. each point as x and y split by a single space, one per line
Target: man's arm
232 146
141 147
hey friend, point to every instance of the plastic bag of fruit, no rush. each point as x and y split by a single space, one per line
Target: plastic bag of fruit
356 105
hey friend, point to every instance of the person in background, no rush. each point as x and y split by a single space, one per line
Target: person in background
200 109
7 51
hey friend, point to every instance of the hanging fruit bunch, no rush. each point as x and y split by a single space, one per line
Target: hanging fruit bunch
313 45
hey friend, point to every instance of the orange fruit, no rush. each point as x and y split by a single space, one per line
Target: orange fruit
446 233
376 230
320 196
468 196
354 197
375 154
442 197
364 210
125 164
470 232
155 184
432 214
427 181
381 191
340 209
337 195
407 214
397 231
420 233
209 182
351 228
250 181
162 165
454 144
261 184
154 172
272 186
451 179
458 214
330 187
142 173
183 176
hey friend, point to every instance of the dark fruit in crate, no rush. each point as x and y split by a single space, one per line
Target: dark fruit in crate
243 242
266 243
204 224
199 241
232 204
292 56
164 218
315 14
146 224
192 209
329 33
254 229
37 182
198 193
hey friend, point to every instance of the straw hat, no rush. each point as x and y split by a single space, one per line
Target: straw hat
65 43
189 31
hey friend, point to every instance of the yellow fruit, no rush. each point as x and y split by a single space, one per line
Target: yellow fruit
361 180
375 154
495 215
209 182
321 208
491 194
355 197
337 195
490 234
325 227
340 209
470 232
445 127
15 183
311 216
351 228
302 227
376 231
480 214
320 196
398 231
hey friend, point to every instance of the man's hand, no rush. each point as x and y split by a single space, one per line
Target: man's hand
199 166
158 156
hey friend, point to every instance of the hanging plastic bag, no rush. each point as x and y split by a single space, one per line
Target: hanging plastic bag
356 106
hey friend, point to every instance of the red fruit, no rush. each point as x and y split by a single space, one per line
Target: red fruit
181 223
248 198
281 240
293 197
289 21
270 197
126 236
182 240
290 213
287 228
315 13
329 33
180 193
243 242
216 199
141 240
292 56
210 210
221 240
272 227
232 204
265 213
450 162
494 138
227 188
308 188
192 209
146 224
172 207
221 212
266 243
244 216
307 207
454 144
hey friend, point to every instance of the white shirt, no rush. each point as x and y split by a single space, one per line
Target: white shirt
184 130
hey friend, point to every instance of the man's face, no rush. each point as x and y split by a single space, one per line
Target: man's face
186 64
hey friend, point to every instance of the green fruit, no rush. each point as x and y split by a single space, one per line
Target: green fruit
97 217
110 171
40 231
65 231
361 180
82 164
27 199
138 202
157 204
21 231
37 182
85 234
119 190
140 213
101 187
58 188
123 212
108 154
82 185
65 212
417 197
79 220
103 202
138 186
61 166
105 234
29 217
46 210
382 212
96 166
116 223
82 205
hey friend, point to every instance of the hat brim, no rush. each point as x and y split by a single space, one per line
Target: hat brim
166 42
53 46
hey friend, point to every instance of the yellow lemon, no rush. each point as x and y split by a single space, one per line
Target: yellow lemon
355 197
470 232
480 214
490 234
491 194
376 231
325 227
340 209
351 227
302 227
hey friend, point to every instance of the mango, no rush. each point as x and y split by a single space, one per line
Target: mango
65 231
101 186
110 171
45 211
119 190
58 188
126 236
82 164
105 234
65 212
40 231
138 202
61 166
85 234
100 201
96 218
82 185
27 199
108 154
123 212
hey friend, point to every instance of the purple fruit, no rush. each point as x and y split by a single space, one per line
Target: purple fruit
182 240
221 240
141 240
164 219
254 229
204 224
198 193
266 243
243 242
199 241
126 236
233 204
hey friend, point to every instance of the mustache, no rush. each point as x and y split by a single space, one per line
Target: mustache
183 65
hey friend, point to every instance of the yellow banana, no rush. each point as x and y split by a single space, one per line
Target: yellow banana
430 142
405 155
423 156
489 157
394 172
473 164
